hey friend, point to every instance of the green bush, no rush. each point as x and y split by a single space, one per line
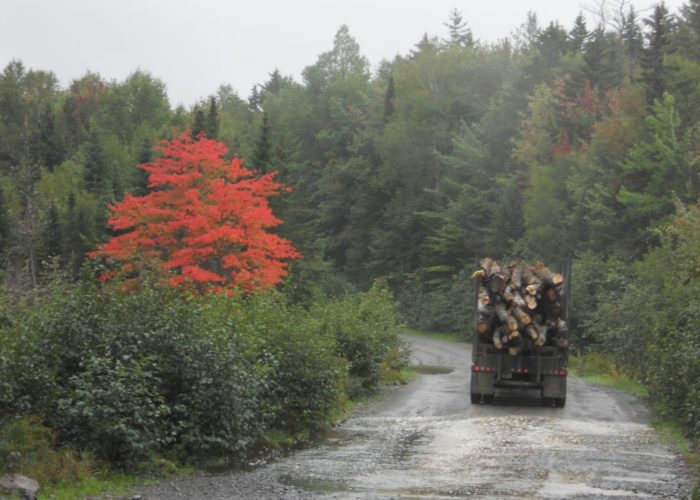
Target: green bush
365 329
646 315
27 447
122 375
127 375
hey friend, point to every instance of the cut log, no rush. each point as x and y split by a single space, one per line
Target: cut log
483 327
497 340
497 282
504 317
479 274
521 315
529 278
516 275
500 337
532 332
501 312
484 297
490 266
548 278
541 334
531 302
552 294
516 347
518 299
484 311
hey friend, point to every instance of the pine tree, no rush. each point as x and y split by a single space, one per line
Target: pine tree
4 224
199 123
46 143
658 45
254 99
691 18
426 44
578 35
602 65
389 96
460 34
632 42
274 84
145 156
528 32
262 156
53 244
73 241
96 173
211 127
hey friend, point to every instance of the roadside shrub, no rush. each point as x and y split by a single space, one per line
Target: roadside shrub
125 376
27 447
646 315
122 375
296 361
365 329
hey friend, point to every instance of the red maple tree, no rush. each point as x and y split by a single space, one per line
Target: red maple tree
204 222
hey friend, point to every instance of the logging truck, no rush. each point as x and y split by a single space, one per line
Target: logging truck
529 364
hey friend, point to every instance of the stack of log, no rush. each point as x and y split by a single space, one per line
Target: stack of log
519 306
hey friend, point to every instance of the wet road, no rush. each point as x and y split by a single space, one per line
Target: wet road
425 440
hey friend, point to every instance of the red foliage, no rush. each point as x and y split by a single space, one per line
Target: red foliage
204 222
562 146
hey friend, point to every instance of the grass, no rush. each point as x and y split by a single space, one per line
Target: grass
618 382
93 486
461 338
601 370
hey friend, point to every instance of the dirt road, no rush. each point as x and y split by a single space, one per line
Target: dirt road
425 440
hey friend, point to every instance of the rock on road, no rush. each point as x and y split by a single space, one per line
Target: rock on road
425 440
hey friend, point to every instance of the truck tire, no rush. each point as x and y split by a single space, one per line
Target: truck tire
475 398
488 399
560 402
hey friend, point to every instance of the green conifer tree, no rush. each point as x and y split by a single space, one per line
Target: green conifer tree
578 35
199 122
96 173
262 156
389 97
211 127
658 45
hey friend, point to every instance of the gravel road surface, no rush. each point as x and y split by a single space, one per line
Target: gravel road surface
426 441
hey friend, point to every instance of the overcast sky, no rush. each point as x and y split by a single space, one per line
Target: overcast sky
194 46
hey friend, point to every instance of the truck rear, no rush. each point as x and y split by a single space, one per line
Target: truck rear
534 367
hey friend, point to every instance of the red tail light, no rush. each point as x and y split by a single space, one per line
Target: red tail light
476 368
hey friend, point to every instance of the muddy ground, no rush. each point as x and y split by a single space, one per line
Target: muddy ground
426 440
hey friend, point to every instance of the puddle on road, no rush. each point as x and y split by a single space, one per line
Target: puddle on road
432 369
314 484
506 456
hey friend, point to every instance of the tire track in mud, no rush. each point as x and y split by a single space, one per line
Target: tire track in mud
425 440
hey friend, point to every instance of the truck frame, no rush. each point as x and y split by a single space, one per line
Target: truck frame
540 368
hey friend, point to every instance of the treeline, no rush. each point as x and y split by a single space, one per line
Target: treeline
580 139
